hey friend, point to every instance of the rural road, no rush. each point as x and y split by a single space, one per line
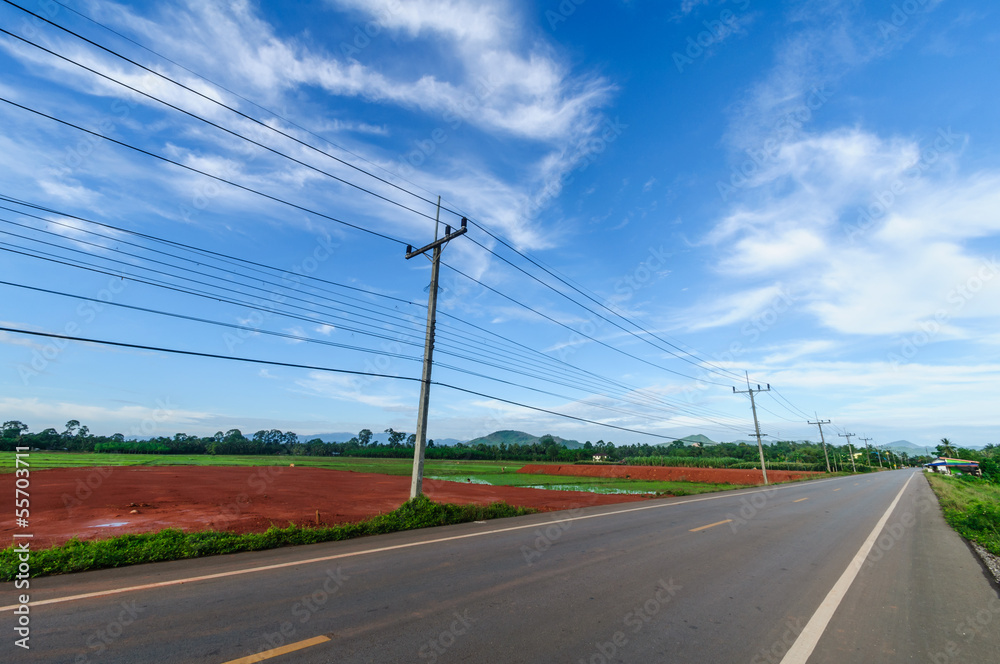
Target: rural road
743 576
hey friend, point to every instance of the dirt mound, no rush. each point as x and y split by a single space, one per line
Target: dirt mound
91 503
668 473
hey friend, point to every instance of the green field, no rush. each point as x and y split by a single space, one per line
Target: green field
496 473
972 507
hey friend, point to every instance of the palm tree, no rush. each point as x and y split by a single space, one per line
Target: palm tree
945 448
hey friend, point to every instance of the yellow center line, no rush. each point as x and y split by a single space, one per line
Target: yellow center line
799 500
711 525
291 647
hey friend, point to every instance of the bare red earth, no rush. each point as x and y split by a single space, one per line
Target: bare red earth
83 502
669 473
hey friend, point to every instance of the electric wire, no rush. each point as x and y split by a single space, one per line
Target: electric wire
205 173
121 344
587 336
702 364
216 125
340 221
673 407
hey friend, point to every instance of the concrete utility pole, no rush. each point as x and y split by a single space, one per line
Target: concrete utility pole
820 424
877 455
417 482
756 424
854 468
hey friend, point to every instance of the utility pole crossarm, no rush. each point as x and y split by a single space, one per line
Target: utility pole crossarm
448 237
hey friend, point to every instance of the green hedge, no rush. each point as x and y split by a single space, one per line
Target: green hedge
171 544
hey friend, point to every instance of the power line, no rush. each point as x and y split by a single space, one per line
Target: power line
587 336
214 124
327 369
482 227
201 172
715 369
649 402
222 257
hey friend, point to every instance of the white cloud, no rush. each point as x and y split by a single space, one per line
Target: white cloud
876 233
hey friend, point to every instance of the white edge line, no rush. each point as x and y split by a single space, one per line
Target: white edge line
351 554
804 645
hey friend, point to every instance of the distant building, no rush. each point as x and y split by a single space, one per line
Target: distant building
947 466
600 457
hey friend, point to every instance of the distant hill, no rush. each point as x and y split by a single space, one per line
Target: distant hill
908 447
690 440
519 438
383 438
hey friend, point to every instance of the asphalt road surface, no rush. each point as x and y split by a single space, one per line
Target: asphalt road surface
856 569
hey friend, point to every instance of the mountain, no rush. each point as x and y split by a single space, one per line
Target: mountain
691 440
908 447
382 438
519 438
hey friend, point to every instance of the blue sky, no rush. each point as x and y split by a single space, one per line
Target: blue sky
805 191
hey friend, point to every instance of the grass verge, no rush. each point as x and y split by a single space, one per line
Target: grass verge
972 507
172 544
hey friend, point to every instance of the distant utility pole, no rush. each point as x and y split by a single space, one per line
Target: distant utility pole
756 424
854 468
417 482
877 455
820 424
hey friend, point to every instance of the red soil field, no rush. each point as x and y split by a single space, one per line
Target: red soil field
92 503
669 473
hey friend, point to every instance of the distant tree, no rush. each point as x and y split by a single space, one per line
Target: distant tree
14 429
395 437
411 440
945 448
365 437
71 428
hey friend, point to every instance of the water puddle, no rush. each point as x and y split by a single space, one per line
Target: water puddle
113 524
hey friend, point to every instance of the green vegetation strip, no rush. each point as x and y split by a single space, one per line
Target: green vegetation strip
46 460
172 544
972 507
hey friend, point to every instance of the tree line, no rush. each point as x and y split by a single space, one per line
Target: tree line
77 438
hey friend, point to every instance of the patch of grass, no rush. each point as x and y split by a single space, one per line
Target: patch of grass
585 483
43 460
172 544
972 507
